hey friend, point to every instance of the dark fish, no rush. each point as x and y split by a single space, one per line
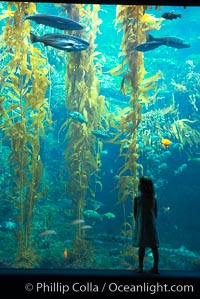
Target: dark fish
78 116
171 15
55 22
95 204
69 43
101 134
155 42
148 46
169 41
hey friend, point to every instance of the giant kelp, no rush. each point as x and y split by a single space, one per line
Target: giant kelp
180 126
83 151
184 128
135 23
24 110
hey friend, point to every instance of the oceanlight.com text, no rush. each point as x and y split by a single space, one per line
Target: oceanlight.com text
110 287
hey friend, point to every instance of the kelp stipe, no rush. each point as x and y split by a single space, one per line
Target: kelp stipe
24 112
83 151
134 22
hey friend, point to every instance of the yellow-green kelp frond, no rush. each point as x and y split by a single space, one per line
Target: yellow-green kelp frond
24 113
83 151
136 83
185 133
130 117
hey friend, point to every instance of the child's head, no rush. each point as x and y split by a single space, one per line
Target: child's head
146 186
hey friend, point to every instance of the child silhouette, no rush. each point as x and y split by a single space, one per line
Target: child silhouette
145 232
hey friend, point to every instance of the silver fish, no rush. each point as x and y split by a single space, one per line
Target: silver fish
66 42
55 22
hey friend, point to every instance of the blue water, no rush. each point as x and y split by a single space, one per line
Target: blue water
174 169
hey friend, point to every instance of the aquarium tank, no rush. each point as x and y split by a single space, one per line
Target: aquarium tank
93 97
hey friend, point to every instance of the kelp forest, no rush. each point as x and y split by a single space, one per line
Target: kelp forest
58 127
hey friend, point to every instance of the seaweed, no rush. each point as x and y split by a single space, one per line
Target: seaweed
134 22
83 151
82 254
24 112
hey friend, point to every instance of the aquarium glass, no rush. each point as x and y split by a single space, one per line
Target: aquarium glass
92 97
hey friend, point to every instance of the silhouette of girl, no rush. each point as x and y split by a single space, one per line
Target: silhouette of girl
145 213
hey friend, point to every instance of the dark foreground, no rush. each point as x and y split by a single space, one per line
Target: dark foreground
39 283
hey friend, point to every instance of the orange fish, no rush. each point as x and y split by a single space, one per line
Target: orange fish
65 253
166 142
